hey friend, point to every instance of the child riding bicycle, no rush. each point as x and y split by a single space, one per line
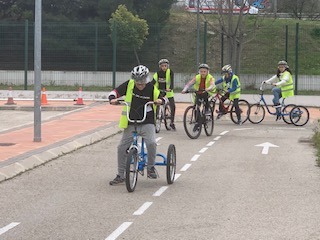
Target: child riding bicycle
283 85
137 91
203 83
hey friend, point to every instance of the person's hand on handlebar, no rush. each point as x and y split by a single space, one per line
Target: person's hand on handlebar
114 101
158 101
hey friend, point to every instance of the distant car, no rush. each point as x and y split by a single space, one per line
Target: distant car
211 6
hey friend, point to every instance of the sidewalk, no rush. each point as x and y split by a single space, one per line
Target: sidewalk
73 127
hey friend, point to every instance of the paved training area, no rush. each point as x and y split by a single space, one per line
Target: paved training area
65 128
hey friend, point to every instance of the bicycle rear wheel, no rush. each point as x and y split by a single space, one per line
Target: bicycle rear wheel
299 115
158 118
132 170
257 113
167 116
190 124
244 111
286 113
208 124
171 163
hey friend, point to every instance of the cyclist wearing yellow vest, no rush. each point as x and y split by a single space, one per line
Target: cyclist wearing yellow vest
232 87
283 85
203 83
164 80
137 91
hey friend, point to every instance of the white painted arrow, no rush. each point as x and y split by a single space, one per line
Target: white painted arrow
266 147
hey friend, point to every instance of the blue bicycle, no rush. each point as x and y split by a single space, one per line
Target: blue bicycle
137 158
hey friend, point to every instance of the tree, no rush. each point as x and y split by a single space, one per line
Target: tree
300 8
130 30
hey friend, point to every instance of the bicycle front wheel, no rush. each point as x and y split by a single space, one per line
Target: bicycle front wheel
132 170
171 163
167 116
257 113
190 123
158 118
299 115
286 113
208 124
244 111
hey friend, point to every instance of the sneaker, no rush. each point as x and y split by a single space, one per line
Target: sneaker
278 117
196 127
152 173
173 127
219 115
239 122
118 180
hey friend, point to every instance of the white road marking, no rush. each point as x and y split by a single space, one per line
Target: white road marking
210 144
195 158
143 208
158 139
241 129
203 150
265 147
8 227
223 133
217 138
160 191
176 176
116 233
185 167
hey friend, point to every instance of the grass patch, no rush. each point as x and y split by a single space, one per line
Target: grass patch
316 142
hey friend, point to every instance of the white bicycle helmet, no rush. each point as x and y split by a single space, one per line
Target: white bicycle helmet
140 73
204 65
282 62
164 60
227 69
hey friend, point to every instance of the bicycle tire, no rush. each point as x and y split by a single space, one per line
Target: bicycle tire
132 170
299 115
208 124
244 111
191 126
158 119
287 110
257 113
167 115
171 163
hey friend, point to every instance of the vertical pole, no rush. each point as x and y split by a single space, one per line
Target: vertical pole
96 48
286 53
158 41
222 47
37 72
205 42
275 7
198 34
26 50
297 58
114 55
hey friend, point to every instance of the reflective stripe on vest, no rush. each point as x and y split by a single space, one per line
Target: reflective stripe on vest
287 89
168 82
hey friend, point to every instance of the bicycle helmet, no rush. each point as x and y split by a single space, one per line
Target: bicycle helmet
227 69
140 73
164 60
284 63
204 65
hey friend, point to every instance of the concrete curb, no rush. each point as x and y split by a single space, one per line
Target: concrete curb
48 155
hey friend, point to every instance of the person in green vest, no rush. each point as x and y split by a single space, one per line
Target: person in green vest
203 83
283 85
163 79
232 87
137 92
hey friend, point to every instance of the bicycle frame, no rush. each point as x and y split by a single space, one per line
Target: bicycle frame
218 97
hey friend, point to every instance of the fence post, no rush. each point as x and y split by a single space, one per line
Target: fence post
287 38
158 41
26 50
222 46
96 48
205 42
297 58
114 55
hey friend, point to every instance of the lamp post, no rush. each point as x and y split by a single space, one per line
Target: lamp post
198 33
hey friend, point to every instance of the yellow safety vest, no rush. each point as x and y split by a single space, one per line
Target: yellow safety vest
236 93
287 89
207 84
168 83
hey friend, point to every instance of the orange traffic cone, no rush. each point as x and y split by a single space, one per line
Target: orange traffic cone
44 97
79 100
10 97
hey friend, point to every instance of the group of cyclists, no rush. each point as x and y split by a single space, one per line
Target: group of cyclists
139 90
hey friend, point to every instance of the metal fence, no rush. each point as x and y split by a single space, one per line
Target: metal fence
88 47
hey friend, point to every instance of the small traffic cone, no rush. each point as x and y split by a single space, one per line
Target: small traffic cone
79 100
10 97
44 97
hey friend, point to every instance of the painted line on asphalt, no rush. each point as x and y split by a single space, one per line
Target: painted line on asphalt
224 132
195 158
176 176
116 233
158 139
217 138
143 208
160 191
8 227
210 144
203 150
241 129
185 167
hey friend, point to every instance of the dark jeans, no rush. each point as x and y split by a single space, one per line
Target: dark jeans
173 108
203 96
